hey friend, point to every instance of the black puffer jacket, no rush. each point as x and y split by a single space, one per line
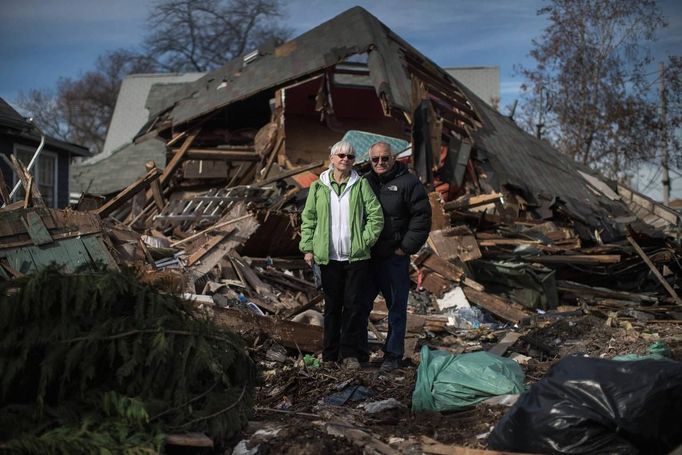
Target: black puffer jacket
407 212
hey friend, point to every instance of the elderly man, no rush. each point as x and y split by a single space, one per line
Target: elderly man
407 222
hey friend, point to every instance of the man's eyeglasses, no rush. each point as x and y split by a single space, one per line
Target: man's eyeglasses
383 159
345 155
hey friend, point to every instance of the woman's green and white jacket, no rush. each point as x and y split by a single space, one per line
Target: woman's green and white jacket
340 227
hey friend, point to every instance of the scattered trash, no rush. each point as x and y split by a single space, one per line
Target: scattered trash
349 393
379 406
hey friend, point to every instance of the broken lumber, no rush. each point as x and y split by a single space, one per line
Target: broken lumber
506 342
654 270
210 229
575 259
221 155
125 195
291 173
431 446
307 338
471 202
495 305
25 178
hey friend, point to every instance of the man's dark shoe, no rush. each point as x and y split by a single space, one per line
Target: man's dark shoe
390 365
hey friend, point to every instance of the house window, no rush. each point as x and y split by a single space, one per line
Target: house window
44 174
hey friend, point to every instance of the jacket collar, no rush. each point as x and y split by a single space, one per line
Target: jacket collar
325 178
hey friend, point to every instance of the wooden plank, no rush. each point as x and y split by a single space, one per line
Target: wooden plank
27 197
245 227
211 229
431 446
219 155
189 440
36 229
455 242
654 270
155 187
24 176
291 173
207 246
439 219
583 290
251 278
4 191
504 344
575 259
495 305
472 201
365 441
307 338
127 194
177 158
446 269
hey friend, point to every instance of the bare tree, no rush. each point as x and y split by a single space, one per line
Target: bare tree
199 35
194 35
592 93
79 110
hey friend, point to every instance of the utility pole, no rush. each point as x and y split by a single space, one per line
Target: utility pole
540 124
664 137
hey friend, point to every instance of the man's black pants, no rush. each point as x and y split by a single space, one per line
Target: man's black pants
344 284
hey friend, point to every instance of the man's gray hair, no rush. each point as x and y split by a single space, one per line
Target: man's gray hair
383 144
342 147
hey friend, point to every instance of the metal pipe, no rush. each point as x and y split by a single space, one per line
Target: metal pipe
32 162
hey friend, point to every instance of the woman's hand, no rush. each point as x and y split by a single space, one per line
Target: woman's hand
309 258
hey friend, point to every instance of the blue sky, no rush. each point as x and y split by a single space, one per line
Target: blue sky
42 40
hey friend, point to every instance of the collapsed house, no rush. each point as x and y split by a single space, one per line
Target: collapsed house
209 194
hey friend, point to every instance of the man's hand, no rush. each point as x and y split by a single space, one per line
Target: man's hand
399 252
309 258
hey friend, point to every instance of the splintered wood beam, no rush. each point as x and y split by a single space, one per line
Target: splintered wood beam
125 195
654 270
221 155
472 201
210 229
291 173
177 158
155 187
495 305
25 178
307 338
4 192
433 447
575 259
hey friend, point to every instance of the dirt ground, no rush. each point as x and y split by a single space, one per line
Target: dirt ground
291 411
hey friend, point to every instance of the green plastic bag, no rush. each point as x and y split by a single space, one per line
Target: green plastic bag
656 351
447 382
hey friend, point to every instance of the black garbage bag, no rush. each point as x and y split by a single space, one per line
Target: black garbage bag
587 405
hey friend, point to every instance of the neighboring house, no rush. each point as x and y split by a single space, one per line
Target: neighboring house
51 171
132 109
483 81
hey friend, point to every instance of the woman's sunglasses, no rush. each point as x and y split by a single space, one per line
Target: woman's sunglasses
383 159
344 155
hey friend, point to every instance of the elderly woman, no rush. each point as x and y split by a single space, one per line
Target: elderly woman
341 221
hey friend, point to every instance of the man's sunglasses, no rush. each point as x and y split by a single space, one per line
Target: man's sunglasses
383 159
344 155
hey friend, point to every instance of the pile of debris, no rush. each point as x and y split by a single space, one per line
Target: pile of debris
529 257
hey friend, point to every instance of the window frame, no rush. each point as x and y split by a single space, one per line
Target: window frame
18 148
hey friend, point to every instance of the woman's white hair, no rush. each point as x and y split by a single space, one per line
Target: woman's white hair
341 147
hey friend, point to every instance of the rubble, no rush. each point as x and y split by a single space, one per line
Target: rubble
543 264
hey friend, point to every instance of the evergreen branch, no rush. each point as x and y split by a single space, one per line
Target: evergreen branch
198 397
144 331
215 414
